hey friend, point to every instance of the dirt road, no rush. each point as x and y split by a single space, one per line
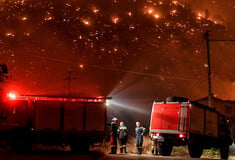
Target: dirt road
56 155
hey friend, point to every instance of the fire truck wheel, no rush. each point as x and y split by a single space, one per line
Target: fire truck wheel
224 150
21 140
79 144
195 150
164 149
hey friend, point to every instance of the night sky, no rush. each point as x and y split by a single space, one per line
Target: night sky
134 50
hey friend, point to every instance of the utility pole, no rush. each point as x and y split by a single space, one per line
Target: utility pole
69 80
210 95
208 40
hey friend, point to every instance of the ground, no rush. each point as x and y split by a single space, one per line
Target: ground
57 153
51 155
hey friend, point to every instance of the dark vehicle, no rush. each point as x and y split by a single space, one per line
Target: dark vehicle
179 121
27 120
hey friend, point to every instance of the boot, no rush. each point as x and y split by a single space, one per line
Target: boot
156 152
121 150
139 150
114 150
111 151
125 150
152 151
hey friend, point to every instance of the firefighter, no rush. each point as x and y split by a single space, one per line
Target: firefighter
113 138
139 137
123 134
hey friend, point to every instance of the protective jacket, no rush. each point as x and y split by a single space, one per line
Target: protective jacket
139 131
123 134
113 137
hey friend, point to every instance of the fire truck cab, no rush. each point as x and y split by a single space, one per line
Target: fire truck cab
76 121
179 121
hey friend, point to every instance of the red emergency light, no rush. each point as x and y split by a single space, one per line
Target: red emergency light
157 134
182 135
11 96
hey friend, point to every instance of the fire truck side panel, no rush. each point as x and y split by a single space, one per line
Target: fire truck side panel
13 114
171 116
165 117
47 115
156 116
95 117
31 105
20 111
211 125
73 116
196 120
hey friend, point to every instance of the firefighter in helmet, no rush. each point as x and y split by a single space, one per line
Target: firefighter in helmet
123 133
139 131
114 134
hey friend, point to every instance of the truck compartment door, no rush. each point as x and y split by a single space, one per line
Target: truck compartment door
211 123
95 117
183 119
21 111
73 116
165 117
170 116
47 115
196 119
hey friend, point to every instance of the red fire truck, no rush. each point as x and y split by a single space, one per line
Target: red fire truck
178 121
27 120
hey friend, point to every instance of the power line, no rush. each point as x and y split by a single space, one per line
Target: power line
118 70
222 40
140 73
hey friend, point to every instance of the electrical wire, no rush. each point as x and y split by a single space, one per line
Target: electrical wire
158 76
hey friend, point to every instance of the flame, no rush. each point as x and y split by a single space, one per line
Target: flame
86 22
173 11
48 18
150 11
95 10
81 66
156 16
115 20
129 13
10 34
24 18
